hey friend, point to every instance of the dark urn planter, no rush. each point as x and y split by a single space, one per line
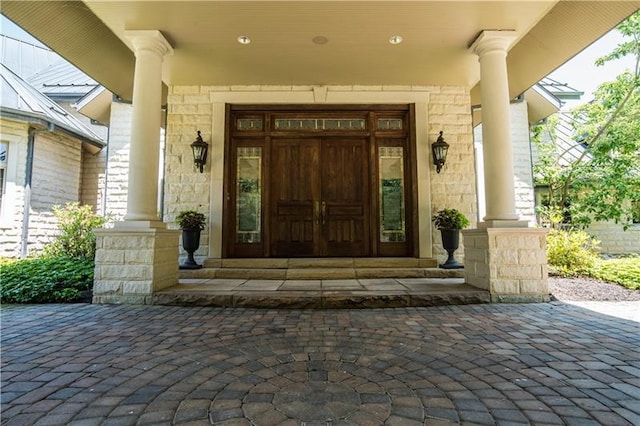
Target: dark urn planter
450 242
190 243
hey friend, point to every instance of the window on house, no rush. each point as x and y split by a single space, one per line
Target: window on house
4 159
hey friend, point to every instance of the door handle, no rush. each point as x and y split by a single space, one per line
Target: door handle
324 212
316 211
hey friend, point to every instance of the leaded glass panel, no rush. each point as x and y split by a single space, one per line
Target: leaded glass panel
390 124
392 214
251 124
320 124
249 195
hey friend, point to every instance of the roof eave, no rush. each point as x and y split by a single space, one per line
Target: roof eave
52 125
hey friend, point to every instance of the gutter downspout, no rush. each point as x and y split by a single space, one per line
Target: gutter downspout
27 193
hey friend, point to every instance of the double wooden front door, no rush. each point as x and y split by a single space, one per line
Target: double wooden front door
320 197
319 182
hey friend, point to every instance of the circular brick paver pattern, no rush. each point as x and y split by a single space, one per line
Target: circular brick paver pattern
316 402
483 364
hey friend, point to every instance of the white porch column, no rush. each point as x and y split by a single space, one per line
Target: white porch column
491 48
139 256
150 47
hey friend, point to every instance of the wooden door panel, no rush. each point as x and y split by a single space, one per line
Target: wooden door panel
346 196
295 185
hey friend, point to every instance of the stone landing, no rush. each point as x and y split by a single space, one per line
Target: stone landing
321 284
321 294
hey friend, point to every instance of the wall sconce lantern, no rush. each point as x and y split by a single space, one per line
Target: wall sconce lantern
439 149
199 148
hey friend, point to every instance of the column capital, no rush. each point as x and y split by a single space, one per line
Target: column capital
489 41
150 40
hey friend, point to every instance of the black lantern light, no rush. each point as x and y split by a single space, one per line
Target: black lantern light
200 148
439 149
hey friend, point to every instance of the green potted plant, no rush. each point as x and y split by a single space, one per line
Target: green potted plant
450 222
191 222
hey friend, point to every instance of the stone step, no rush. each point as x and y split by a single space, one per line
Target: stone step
326 273
331 294
316 263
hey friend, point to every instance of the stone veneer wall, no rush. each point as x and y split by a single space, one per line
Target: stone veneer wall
59 175
57 165
118 160
522 167
132 264
94 180
455 186
509 262
15 135
614 239
192 108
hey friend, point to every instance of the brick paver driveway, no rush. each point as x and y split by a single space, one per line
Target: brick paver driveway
482 364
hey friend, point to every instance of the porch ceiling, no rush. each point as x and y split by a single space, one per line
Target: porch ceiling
283 52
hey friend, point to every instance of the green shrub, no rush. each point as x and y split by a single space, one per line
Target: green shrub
571 253
46 280
625 271
450 219
76 239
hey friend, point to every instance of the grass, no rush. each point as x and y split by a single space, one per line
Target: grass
624 271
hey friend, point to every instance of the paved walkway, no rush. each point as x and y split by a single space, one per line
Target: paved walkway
550 363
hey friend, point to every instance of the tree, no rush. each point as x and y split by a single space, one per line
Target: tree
597 178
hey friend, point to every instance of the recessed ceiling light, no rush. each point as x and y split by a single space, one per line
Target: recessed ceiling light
244 40
320 40
395 39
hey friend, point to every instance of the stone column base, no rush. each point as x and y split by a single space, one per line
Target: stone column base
131 264
511 263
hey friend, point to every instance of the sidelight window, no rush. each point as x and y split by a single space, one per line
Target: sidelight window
248 194
391 184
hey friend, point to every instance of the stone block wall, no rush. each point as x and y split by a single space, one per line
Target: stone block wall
94 180
614 239
511 263
455 186
522 167
132 264
118 160
193 108
62 171
55 182
15 134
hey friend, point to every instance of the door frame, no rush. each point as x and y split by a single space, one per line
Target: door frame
261 137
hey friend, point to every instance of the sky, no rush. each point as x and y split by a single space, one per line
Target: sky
580 72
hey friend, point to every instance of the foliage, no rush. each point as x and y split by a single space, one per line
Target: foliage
46 280
450 219
76 238
625 271
601 182
191 220
571 253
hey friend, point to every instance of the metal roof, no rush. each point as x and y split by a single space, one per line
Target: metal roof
62 79
21 101
24 58
560 90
